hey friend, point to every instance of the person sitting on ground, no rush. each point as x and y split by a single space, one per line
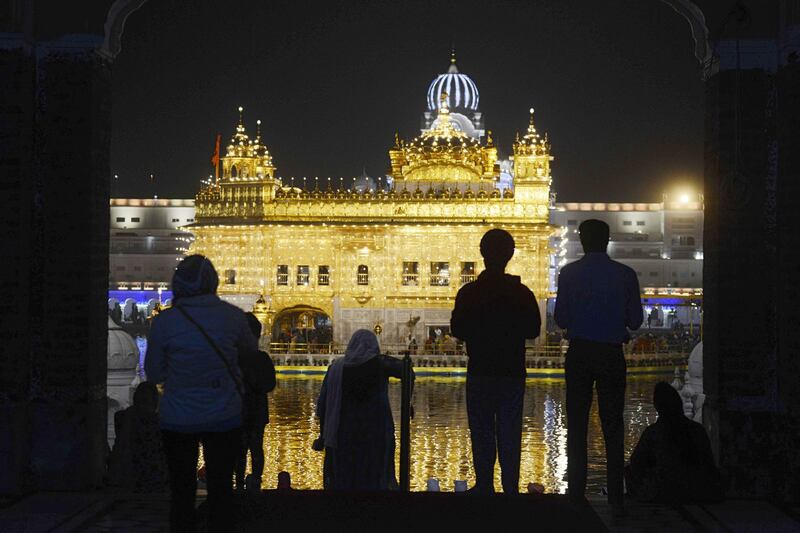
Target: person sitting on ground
672 461
137 460
356 425
255 412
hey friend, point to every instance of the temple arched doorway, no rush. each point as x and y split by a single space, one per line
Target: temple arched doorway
302 328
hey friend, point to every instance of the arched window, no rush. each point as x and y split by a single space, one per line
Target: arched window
234 171
363 275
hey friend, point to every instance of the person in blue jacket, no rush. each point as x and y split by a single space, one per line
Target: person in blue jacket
202 400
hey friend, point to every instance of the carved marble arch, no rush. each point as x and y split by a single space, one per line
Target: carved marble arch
120 10
304 319
118 13
697 24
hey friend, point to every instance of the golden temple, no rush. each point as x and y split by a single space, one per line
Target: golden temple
388 257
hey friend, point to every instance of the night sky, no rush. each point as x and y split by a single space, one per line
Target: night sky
613 82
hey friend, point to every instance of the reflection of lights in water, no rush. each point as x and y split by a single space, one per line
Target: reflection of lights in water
440 443
555 445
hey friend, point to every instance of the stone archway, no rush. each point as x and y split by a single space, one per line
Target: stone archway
302 326
57 169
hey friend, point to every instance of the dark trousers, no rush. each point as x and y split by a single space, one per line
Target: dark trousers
219 452
252 441
589 363
494 410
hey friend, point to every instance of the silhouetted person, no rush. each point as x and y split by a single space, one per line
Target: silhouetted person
256 410
673 462
598 301
494 315
356 422
202 389
137 460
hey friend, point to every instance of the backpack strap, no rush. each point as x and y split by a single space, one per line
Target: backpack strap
236 380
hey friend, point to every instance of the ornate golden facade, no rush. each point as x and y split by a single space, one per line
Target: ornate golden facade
384 255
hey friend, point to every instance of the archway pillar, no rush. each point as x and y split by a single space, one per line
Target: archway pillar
752 256
54 175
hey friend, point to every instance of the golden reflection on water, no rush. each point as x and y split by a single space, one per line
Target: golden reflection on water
440 446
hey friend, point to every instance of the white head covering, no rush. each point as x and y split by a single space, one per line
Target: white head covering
362 347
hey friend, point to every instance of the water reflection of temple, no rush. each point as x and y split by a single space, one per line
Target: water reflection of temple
440 444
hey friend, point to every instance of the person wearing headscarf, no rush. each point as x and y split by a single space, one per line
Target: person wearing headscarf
673 462
202 402
356 424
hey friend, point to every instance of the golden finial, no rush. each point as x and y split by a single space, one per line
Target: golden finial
453 68
444 107
396 140
241 116
489 138
531 127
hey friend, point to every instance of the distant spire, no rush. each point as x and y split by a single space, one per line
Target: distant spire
531 127
241 116
453 68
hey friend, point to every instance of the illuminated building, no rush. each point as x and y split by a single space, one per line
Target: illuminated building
383 252
147 239
377 255
662 242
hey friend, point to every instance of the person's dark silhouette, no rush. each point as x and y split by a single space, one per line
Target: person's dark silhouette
137 460
494 315
194 348
255 415
356 425
673 462
598 301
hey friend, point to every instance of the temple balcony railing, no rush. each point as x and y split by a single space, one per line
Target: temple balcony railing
394 208
410 280
440 280
538 356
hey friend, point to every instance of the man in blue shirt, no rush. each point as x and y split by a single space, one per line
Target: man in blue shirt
598 302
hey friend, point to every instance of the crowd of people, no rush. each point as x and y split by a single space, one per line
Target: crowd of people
215 382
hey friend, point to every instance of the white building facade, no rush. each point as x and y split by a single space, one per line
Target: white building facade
662 242
147 241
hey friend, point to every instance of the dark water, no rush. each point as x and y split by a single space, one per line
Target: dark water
440 434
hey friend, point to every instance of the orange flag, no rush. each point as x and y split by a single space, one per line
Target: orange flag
215 158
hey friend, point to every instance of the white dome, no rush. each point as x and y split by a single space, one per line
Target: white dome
123 353
462 93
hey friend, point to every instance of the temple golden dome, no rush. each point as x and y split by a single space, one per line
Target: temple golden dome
247 159
442 154
531 143
240 145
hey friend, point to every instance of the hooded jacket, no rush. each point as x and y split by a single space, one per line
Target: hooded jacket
199 392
